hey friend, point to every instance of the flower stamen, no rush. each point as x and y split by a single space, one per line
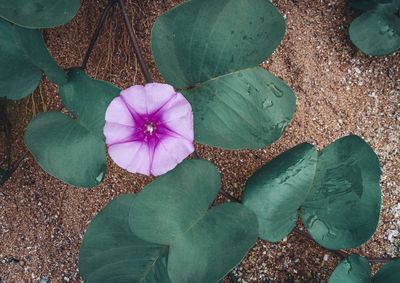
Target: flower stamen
149 128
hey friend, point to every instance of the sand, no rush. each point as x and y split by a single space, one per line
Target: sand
339 91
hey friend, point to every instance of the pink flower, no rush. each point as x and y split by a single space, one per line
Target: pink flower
149 129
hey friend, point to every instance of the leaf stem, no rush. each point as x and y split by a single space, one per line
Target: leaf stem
99 27
135 43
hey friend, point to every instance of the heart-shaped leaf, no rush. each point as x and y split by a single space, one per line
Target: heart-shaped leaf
342 210
173 210
376 33
110 252
73 150
213 60
389 273
39 13
248 109
88 99
353 269
278 189
23 56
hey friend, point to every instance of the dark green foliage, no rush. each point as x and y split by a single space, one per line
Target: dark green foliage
201 48
338 193
23 57
278 189
356 269
342 210
389 273
73 149
38 13
111 252
353 269
178 230
377 31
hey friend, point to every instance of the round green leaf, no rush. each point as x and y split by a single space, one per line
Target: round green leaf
246 109
32 45
376 33
23 56
67 150
173 210
73 150
386 6
213 61
88 99
39 13
342 210
353 269
278 189
19 77
389 273
218 38
110 252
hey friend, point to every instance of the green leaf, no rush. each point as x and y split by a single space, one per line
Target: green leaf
38 13
19 77
342 210
389 273
73 150
376 33
278 189
23 56
66 149
31 43
88 99
353 269
213 61
110 252
173 210
247 109
388 6
214 42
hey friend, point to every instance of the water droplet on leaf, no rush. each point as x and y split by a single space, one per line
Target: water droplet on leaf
100 177
275 90
267 103
384 29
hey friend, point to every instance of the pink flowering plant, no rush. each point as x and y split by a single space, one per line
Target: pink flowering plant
149 129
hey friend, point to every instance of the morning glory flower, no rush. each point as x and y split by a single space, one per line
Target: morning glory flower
149 129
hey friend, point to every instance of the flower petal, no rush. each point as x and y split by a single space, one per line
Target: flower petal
158 95
134 157
141 163
177 116
117 133
135 98
148 99
117 112
124 153
169 152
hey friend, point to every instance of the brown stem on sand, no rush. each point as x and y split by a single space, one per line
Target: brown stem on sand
97 31
135 43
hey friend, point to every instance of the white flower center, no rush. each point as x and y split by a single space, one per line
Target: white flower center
149 128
